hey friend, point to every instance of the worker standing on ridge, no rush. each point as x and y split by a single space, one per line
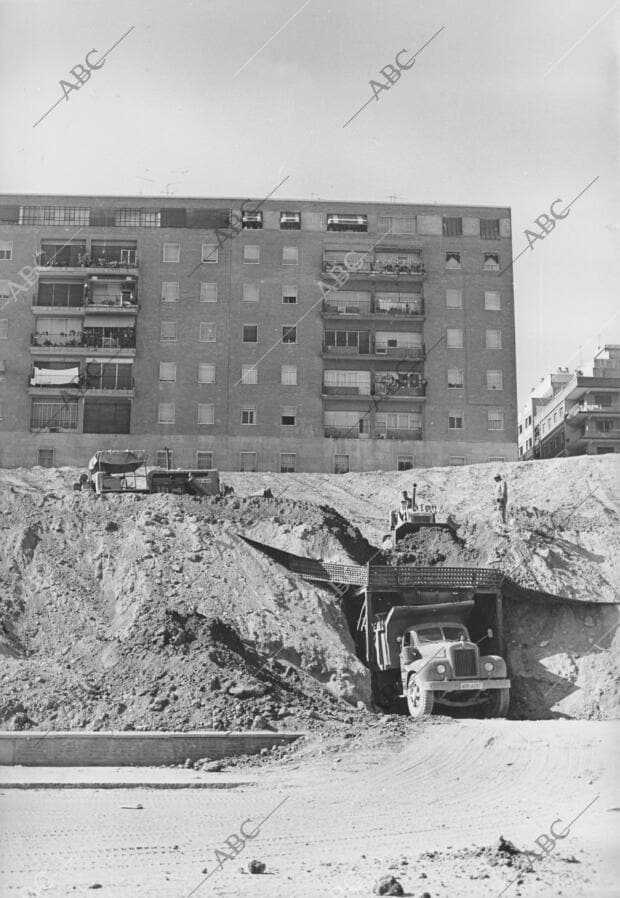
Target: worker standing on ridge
501 497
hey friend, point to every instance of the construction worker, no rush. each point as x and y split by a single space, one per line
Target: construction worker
405 512
501 497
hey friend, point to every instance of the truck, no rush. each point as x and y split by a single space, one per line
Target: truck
437 662
431 636
126 471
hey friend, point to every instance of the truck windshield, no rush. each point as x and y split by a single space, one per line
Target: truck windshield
453 634
429 634
448 632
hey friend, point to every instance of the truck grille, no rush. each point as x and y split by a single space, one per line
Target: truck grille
465 662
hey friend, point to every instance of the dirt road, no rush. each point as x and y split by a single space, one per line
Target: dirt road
341 811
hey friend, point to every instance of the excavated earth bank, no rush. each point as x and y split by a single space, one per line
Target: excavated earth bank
148 612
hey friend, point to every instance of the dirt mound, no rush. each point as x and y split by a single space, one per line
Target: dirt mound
151 612
127 611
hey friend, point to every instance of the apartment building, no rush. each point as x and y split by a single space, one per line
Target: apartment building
574 413
256 335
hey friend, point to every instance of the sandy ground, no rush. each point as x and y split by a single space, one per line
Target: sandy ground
338 813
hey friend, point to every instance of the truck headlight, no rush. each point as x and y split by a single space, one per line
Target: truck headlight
488 666
441 668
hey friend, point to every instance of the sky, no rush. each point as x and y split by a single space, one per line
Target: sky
509 103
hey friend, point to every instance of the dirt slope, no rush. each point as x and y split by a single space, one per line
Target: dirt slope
151 611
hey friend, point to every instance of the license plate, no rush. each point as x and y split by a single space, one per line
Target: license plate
474 684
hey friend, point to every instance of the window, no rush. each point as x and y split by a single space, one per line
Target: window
6 250
169 291
206 373
251 253
395 421
290 255
53 414
520 428
497 459
248 462
455 379
454 338
491 262
457 460
204 460
166 413
605 426
288 462
249 374
45 458
489 228
208 292
454 299
168 331
455 420
290 221
135 218
250 292
347 222
492 301
248 415
289 334
289 295
341 464
107 416
452 227
206 413
4 328
354 382
210 253
528 443
495 418
288 417
207 332
404 462
167 371
251 221
164 458
250 333
453 260
288 375
493 339
495 380
397 225
50 215
171 252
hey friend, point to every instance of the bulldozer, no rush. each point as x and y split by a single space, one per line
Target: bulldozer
411 517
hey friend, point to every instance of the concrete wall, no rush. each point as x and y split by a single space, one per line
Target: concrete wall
82 749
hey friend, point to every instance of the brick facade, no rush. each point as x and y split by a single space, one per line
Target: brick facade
398 321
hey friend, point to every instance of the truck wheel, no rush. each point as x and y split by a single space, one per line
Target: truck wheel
499 700
419 701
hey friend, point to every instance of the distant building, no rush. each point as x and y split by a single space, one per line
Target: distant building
574 413
256 335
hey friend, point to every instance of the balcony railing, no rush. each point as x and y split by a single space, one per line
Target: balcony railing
344 433
344 391
400 434
377 348
588 408
365 307
118 301
49 259
396 390
369 268
123 339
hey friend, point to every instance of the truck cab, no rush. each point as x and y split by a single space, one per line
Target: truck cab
439 664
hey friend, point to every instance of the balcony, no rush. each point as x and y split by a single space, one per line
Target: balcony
119 302
392 434
592 409
373 348
73 259
395 390
341 433
341 308
122 340
370 269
